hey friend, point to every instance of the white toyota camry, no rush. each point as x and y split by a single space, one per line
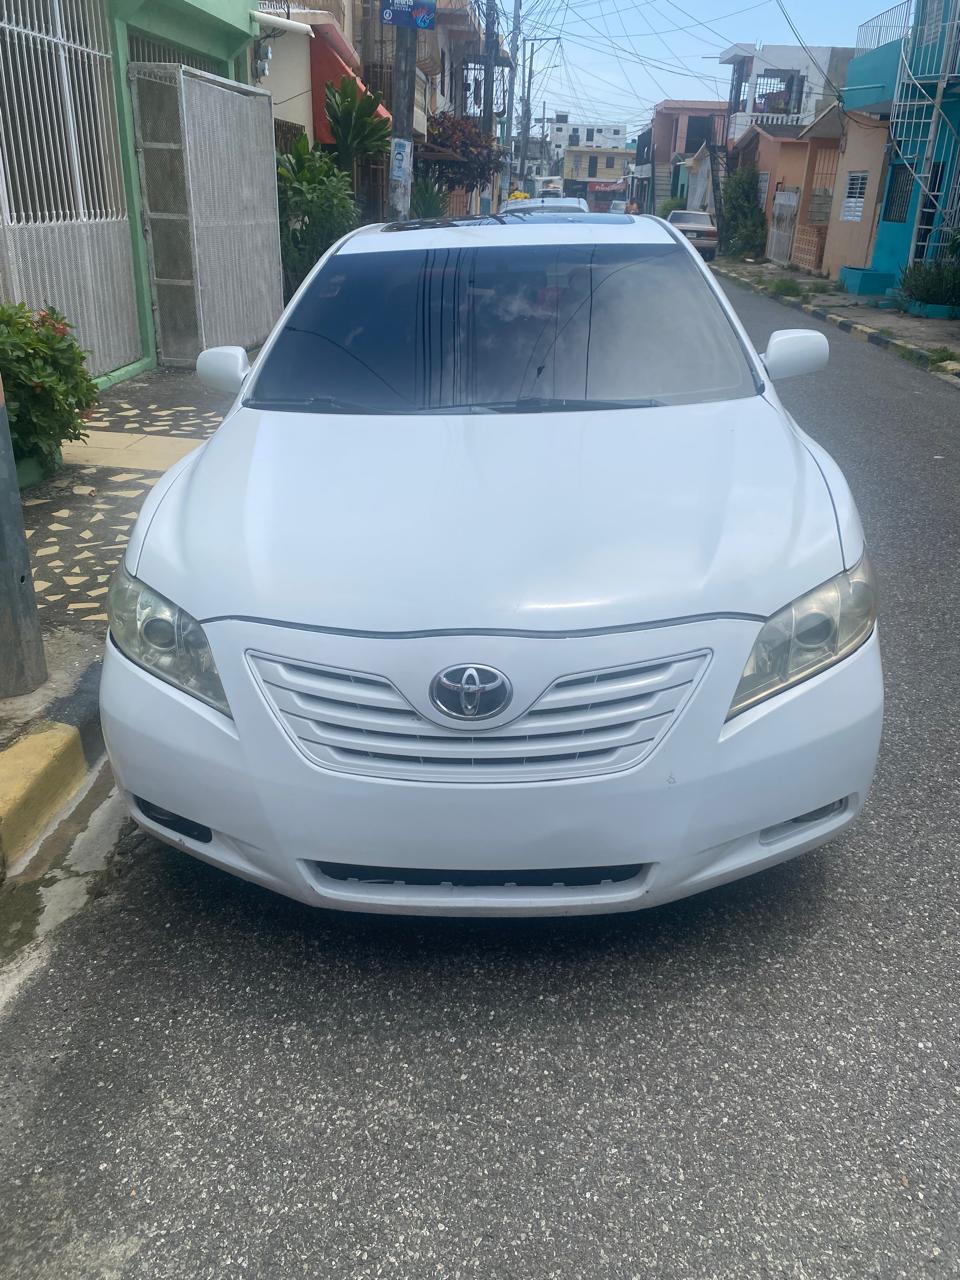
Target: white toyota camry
507 586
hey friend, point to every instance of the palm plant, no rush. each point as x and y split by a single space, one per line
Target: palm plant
358 132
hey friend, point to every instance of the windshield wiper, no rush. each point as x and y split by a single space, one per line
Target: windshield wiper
538 404
315 404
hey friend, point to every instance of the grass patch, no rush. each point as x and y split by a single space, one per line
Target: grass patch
940 354
913 356
784 287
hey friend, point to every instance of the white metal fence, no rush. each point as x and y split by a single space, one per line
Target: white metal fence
208 177
64 228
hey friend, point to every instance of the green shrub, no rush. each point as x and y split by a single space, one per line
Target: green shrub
45 380
936 282
427 200
666 207
316 207
784 287
745 228
939 355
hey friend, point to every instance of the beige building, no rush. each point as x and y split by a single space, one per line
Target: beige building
595 164
857 194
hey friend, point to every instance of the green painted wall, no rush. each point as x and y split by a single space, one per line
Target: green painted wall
219 29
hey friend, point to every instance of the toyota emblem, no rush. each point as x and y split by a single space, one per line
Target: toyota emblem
470 692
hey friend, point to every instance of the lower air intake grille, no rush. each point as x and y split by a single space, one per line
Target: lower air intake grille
582 724
549 878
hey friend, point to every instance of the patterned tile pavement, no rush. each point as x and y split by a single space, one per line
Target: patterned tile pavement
78 522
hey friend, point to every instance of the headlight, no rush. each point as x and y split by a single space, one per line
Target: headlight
163 639
813 633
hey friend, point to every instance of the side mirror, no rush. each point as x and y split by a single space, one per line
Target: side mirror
223 368
793 351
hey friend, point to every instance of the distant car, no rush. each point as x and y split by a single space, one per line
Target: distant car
699 228
618 206
550 204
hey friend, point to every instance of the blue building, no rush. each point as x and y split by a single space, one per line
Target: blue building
908 64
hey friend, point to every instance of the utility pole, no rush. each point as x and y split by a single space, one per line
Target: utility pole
489 64
22 665
401 106
511 91
527 108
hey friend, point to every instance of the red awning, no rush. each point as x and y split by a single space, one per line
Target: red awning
326 65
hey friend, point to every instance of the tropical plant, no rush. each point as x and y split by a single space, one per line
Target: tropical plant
358 132
745 227
427 200
666 207
45 381
461 154
316 207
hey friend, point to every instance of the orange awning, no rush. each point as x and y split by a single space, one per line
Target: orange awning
326 65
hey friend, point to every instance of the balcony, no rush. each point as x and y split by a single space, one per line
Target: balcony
740 121
301 10
884 28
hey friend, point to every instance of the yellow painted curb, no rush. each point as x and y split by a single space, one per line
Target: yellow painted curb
38 774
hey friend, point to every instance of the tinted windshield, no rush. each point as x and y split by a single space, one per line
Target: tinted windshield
504 327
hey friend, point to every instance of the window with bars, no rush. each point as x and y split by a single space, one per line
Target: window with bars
763 186
899 191
852 208
610 162
59 144
931 21
144 48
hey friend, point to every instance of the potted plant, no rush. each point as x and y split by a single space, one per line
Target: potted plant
48 389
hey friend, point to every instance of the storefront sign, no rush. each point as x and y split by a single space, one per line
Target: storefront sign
421 14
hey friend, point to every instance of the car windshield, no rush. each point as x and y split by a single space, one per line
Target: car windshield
692 219
502 328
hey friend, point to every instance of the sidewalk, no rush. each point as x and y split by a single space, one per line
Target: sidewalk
932 343
77 524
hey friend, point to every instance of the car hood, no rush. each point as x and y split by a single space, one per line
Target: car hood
533 522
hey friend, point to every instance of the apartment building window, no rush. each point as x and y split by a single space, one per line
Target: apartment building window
852 208
592 167
443 73
899 190
562 118
589 135
610 162
616 133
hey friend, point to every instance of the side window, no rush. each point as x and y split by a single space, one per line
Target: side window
610 162
592 167
899 190
852 208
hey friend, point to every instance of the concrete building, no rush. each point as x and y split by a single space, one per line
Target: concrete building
781 84
598 175
563 132
679 128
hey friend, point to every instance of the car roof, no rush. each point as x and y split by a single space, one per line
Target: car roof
510 229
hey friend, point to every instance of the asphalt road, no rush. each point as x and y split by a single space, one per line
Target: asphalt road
203 1080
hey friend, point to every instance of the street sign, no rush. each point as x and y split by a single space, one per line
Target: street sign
421 14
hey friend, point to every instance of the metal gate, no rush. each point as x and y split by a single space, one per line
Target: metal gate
782 226
208 176
64 231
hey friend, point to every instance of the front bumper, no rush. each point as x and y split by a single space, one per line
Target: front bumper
713 802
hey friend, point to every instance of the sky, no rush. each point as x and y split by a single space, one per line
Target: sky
597 71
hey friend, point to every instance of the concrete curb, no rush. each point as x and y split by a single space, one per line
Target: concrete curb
45 767
906 350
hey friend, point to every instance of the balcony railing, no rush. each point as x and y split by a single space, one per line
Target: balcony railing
933 46
740 121
892 24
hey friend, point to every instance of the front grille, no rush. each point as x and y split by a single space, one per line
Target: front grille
583 724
